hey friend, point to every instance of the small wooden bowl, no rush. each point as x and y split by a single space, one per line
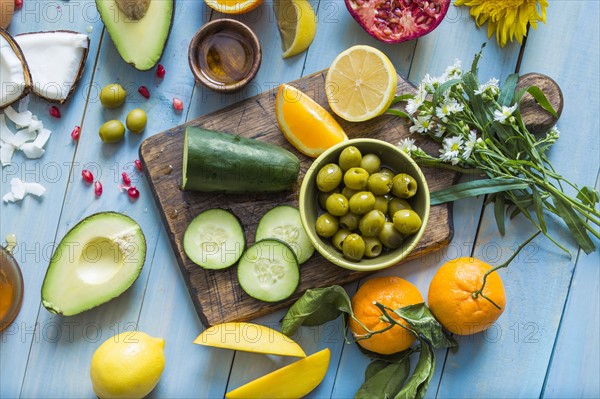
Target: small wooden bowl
199 47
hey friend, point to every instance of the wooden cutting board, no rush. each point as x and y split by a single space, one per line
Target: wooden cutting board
217 295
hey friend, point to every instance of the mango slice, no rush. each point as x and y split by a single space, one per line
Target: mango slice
249 337
292 381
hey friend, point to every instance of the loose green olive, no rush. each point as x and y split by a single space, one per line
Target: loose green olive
371 224
371 163
388 172
362 202
327 225
381 204
350 157
397 204
350 221
354 247
322 197
373 247
112 95
404 186
136 120
379 184
338 239
390 237
112 131
407 221
356 178
337 205
348 192
329 177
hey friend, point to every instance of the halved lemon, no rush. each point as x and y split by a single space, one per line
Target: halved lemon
297 24
304 123
361 83
233 6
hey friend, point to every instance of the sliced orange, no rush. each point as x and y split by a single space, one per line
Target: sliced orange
233 6
304 123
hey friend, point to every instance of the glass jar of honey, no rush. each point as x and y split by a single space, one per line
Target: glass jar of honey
11 288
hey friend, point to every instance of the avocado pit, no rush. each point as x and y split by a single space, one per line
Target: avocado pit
133 9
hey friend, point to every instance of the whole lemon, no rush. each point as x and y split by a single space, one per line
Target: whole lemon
128 365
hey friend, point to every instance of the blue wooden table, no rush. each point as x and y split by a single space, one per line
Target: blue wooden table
545 344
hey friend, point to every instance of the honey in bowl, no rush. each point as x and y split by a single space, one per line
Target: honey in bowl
11 288
225 57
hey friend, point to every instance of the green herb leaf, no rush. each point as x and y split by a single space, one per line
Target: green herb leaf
417 384
397 112
441 89
387 382
589 196
421 320
539 209
499 207
507 94
403 97
575 224
541 99
315 307
374 367
476 59
475 188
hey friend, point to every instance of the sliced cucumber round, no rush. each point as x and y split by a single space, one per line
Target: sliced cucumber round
214 239
268 271
283 223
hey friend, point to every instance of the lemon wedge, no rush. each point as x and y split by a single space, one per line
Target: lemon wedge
297 24
361 83
233 6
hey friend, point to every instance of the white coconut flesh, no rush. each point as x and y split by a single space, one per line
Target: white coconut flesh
54 60
12 74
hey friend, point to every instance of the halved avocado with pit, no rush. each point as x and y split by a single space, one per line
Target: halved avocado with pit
96 261
140 42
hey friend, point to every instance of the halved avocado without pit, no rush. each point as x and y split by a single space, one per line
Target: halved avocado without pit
138 28
96 261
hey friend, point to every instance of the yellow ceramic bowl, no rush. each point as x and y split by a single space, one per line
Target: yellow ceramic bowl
391 157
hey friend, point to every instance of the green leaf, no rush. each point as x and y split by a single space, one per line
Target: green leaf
476 59
399 113
385 383
539 209
421 320
541 99
403 97
374 367
417 384
441 89
588 196
507 94
574 223
316 306
499 205
475 188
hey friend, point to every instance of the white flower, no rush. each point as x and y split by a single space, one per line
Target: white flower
413 104
453 71
553 134
500 115
431 83
448 107
407 145
470 144
491 86
451 149
421 125
439 130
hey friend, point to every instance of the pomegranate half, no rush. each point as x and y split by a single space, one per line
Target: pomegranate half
395 21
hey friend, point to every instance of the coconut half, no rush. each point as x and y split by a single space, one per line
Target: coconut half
56 60
15 78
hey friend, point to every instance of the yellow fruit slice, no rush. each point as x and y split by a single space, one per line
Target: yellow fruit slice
304 123
297 24
293 381
233 6
249 337
361 83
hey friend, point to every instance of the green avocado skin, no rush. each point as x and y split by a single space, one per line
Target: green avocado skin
226 163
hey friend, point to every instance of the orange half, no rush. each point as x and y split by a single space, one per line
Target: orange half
233 6
304 123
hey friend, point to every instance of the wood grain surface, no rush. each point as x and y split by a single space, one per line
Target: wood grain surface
217 295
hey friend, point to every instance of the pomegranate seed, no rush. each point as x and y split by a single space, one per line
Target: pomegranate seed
160 71
138 165
133 192
54 111
98 189
87 176
76 133
143 90
18 4
126 178
177 104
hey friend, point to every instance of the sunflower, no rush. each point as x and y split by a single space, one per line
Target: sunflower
508 18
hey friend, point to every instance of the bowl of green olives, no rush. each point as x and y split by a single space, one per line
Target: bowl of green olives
364 204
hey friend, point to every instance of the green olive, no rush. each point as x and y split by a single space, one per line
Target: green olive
373 247
390 237
112 95
362 202
350 221
337 205
381 204
371 224
379 184
350 157
338 239
136 120
327 225
397 204
371 163
322 197
329 177
388 172
407 221
354 247
112 131
404 186
356 178
348 192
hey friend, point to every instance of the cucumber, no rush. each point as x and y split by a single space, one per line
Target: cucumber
225 163
214 239
283 223
268 271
